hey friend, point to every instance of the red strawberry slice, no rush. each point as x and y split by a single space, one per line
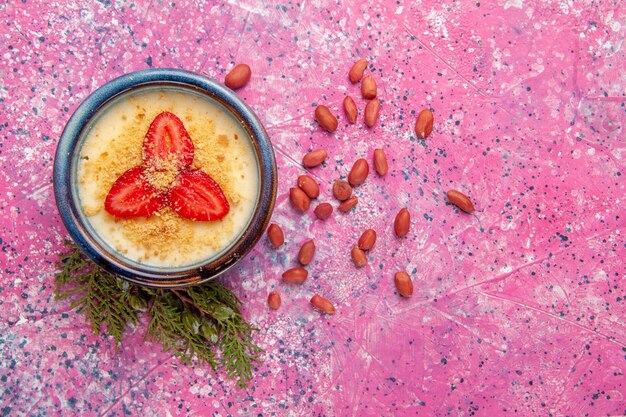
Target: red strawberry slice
167 144
133 196
195 195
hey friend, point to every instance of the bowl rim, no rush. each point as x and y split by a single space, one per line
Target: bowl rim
150 275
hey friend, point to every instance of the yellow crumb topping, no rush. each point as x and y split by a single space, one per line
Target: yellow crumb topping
155 235
162 178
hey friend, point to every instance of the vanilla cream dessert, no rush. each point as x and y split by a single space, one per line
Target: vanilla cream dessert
222 149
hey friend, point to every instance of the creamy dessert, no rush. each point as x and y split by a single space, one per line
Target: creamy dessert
167 177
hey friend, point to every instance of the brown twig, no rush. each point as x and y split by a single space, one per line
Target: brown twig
190 303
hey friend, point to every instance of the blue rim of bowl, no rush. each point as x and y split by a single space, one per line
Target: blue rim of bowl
146 275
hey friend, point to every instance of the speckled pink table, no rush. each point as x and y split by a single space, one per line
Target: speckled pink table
519 309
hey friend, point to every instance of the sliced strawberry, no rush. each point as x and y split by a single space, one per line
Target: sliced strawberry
195 195
133 196
167 144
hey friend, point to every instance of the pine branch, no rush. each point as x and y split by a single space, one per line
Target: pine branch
100 298
201 323
170 326
239 353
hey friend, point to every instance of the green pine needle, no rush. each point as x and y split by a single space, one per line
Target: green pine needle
201 323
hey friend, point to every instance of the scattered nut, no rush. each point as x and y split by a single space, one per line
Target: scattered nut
306 253
359 172
367 240
299 199
380 162
342 190
238 76
325 118
296 275
461 201
358 257
402 223
424 124
275 235
349 106
404 285
368 87
309 186
371 112
273 300
356 72
314 158
323 211
347 205
322 304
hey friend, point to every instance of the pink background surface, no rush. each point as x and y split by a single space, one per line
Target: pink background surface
518 309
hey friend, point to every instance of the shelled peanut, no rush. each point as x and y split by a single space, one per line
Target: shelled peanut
314 158
274 300
310 187
238 76
371 112
404 285
424 124
380 162
367 240
275 235
460 200
369 89
295 275
306 253
357 70
323 211
342 190
358 256
351 110
325 118
322 304
359 172
299 199
402 223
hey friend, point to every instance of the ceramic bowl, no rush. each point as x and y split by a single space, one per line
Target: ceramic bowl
77 220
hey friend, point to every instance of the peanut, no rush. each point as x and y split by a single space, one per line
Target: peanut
306 253
275 235
359 172
424 124
356 72
238 76
380 162
323 211
367 240
309 186
404 285
342 190
461 201
314 158
347 205
402 223
349 106
274 300
325 118
358 257
295 275
322 304
371 112
368 87
299 199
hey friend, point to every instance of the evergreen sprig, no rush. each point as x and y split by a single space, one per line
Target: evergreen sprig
201 322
